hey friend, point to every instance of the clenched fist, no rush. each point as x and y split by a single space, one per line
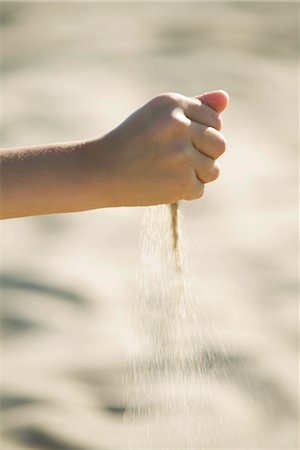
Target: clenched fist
165 151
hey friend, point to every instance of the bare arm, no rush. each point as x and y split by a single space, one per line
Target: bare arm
52 179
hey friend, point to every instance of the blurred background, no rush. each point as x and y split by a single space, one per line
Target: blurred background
75 70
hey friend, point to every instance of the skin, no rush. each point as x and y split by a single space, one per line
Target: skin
162 153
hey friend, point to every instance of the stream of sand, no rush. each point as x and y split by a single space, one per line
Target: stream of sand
165 372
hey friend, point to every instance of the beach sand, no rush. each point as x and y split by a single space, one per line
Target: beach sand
75 70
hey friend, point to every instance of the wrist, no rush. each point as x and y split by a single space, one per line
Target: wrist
101 178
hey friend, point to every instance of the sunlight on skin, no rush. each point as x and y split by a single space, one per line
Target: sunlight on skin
163 152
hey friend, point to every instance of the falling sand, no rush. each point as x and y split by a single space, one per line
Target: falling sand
174 209
167 392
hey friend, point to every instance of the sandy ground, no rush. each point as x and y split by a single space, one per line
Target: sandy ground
68 281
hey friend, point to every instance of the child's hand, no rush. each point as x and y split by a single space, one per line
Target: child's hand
165 151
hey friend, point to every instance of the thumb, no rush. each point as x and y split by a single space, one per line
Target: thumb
217 100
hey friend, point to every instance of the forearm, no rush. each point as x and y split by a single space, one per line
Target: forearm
54 178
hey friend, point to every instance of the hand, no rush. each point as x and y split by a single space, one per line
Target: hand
166 150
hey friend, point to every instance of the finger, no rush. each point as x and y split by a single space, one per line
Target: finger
199 112
206 169
217 100
196 191
207 140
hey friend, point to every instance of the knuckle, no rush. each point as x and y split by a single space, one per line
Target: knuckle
220 145
214 119
218 123
165 99
196 192
200 190
172 117
215 172
179 122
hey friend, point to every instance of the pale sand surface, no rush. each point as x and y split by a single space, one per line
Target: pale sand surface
75 70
